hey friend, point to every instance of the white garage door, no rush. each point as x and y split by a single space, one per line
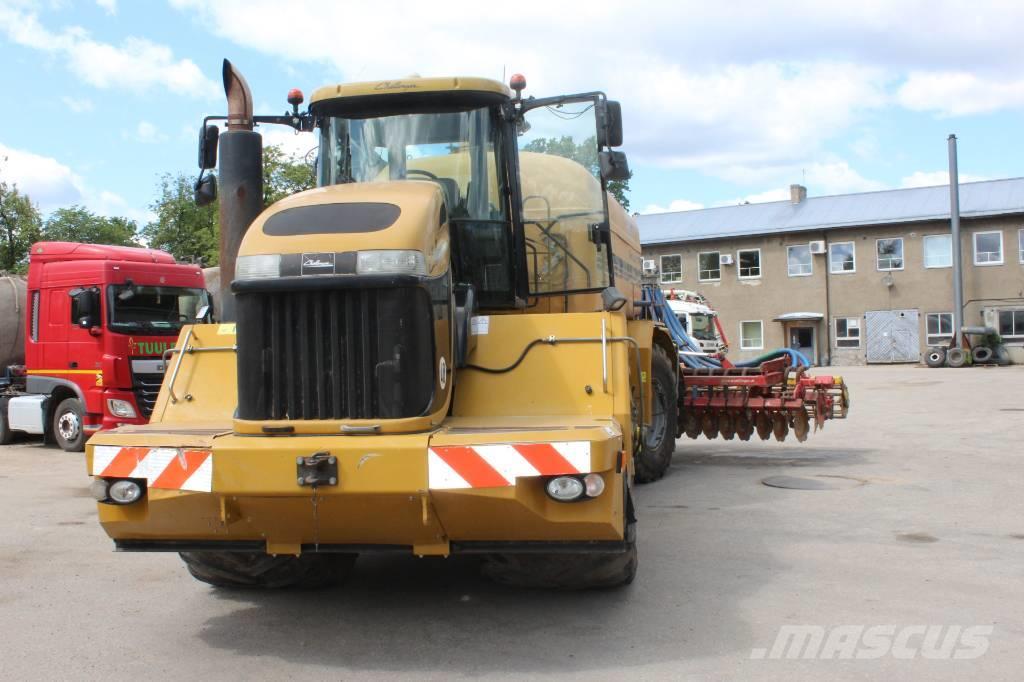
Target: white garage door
892 336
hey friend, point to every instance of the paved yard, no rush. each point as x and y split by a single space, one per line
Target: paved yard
925 527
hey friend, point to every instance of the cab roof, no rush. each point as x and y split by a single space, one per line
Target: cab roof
407 95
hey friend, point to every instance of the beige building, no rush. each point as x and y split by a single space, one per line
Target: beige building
852 278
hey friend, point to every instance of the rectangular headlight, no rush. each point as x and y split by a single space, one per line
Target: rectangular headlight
120 408
258 267
391 262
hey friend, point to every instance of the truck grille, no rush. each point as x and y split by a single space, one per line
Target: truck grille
146 388
337 354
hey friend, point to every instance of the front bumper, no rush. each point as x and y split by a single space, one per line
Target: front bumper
388 496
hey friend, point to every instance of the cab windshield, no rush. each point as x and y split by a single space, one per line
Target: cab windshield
454 149
703 327
153 309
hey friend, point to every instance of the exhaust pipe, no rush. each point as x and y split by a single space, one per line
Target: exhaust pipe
241 181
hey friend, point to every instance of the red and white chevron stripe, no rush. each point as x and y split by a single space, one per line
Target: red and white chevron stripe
496 466
166 468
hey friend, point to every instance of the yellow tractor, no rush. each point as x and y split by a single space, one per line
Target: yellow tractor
439 350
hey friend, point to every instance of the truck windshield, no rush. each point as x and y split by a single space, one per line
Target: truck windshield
703 327
153 309
454 149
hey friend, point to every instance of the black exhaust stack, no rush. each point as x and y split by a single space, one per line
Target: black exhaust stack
241 181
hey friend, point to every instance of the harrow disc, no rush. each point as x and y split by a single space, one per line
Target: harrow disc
709 426
691 425
763 424
726 426
780 426
744 426
801 425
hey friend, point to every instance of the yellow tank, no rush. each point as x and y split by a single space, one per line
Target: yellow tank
437 356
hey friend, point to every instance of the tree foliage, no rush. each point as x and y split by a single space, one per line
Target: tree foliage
78 224
192 233
20 226
585 154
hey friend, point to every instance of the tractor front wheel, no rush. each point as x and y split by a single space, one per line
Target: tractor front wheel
659 441
259 570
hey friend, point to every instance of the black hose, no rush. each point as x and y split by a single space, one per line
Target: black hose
502 370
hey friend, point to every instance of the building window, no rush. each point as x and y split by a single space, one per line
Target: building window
1011 325
842 258
1020 244
752 335
709 266
847 332
938 329
988 248
750 263
798 259
671 268
889 253
938 251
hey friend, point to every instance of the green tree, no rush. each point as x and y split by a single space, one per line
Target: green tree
186 231
78 224
20 226
192 233
585 154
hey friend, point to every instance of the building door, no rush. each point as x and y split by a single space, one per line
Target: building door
892 336
801 339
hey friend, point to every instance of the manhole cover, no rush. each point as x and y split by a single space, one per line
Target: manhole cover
813 482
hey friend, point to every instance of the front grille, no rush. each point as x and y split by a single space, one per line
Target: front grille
146 388
337 354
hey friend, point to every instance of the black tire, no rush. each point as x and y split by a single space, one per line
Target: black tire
5 432
659 441
565 571
956 357
982 354
68 425
935 357
258 570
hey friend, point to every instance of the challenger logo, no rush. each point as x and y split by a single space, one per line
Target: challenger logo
318 264
148 347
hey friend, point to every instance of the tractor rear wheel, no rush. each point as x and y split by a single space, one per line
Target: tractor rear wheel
565 571
259 570
659 441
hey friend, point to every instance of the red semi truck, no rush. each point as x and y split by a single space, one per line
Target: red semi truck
97 321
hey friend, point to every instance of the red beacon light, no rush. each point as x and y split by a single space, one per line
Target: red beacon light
517 83
295 98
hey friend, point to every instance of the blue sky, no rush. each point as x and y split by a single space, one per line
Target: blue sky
721 104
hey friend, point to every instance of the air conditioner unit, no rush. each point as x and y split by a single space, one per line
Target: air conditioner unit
649 267
725 259
817 247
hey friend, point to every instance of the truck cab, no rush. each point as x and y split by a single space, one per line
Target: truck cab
99 321
698 319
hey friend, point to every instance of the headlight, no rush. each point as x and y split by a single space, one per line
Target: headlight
99 489
392 262
258 267
124 492
121 408
565 488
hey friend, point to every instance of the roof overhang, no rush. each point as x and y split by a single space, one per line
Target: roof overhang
800 317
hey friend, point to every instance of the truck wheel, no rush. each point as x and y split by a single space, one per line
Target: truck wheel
655 456
5 431
259 570
935 357
565 571
68 425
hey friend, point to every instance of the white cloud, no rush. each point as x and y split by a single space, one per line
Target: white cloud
959 93
674 205
146 133
51 184
136 64
935 178
77 105
296 145
108 6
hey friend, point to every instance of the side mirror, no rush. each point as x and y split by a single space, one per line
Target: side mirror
613 166
86 302
205 191
208 136
465 309
203 313
610 125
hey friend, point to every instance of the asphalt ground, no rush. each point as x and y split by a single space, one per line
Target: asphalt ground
918 523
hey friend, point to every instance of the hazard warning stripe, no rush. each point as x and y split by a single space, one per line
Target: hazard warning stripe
164 468
495 466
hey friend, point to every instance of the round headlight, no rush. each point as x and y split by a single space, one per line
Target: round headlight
594 484
98 489
124 492
565 488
